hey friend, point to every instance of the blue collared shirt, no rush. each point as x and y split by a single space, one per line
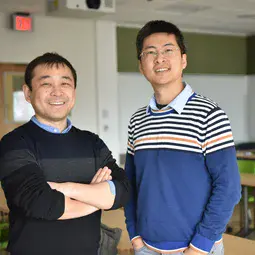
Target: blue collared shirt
177 104
66 130
52 129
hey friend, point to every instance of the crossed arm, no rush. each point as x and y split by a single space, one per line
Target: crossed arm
98 195
28 192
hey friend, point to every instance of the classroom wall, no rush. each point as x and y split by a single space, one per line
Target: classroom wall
251 55
93 54
207 53
74 39
107 85
105 98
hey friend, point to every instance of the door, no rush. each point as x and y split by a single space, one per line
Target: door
14 111
11 105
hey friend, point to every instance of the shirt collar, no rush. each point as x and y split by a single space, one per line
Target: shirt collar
177 104
50 128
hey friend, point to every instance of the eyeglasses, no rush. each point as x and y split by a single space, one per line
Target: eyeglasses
153 54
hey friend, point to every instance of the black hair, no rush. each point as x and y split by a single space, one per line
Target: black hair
159 26
49 59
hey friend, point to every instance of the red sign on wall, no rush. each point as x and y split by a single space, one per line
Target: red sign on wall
22 22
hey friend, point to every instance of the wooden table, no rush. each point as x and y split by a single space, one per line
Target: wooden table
250 154
233 245
248 180
238 246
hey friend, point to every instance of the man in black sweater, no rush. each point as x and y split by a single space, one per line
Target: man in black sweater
56 178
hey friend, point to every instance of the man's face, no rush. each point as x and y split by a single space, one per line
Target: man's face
161 60
53 93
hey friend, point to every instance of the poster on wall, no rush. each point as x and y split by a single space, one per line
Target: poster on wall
22 110
17 109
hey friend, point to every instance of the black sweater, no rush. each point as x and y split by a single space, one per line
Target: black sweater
31 156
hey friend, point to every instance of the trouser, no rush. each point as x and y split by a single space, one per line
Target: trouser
217 249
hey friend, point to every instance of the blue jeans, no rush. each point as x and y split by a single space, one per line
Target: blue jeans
217 249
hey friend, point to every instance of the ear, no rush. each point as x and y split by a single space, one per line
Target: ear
140 67
184 61
27 92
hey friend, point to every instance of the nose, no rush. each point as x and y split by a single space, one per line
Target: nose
160 58
56 90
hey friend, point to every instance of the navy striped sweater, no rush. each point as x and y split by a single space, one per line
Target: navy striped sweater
184 176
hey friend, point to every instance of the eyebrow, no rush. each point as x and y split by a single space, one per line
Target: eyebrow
153 47
67 78
44 77
48 76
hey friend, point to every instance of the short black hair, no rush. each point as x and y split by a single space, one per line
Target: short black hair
49 59
159 26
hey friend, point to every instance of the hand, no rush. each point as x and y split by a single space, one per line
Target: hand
138 243
55 185
190 251
102 175
61 187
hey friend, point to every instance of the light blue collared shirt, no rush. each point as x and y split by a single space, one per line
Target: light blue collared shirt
50 128
57 131
177 104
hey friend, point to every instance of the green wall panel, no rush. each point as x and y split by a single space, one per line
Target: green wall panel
126 50
251 55
207 54
216 54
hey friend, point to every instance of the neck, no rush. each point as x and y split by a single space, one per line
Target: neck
61 125
166 94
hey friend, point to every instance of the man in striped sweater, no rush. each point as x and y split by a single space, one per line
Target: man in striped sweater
181 158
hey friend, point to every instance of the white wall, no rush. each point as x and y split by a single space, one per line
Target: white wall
107 85
229 91
75 40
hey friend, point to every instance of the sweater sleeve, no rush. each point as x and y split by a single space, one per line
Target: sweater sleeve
122 187
130 208
24 183
220 158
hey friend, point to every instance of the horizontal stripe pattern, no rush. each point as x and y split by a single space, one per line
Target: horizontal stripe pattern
202 127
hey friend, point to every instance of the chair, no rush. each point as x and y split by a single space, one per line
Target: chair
247 166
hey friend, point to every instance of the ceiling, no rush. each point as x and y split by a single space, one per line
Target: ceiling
215 16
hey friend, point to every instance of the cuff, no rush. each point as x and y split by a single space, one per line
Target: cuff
201 244
112 187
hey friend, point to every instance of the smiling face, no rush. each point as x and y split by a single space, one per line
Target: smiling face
53 93
161 60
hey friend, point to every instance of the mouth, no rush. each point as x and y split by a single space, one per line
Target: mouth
57 103
161 70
